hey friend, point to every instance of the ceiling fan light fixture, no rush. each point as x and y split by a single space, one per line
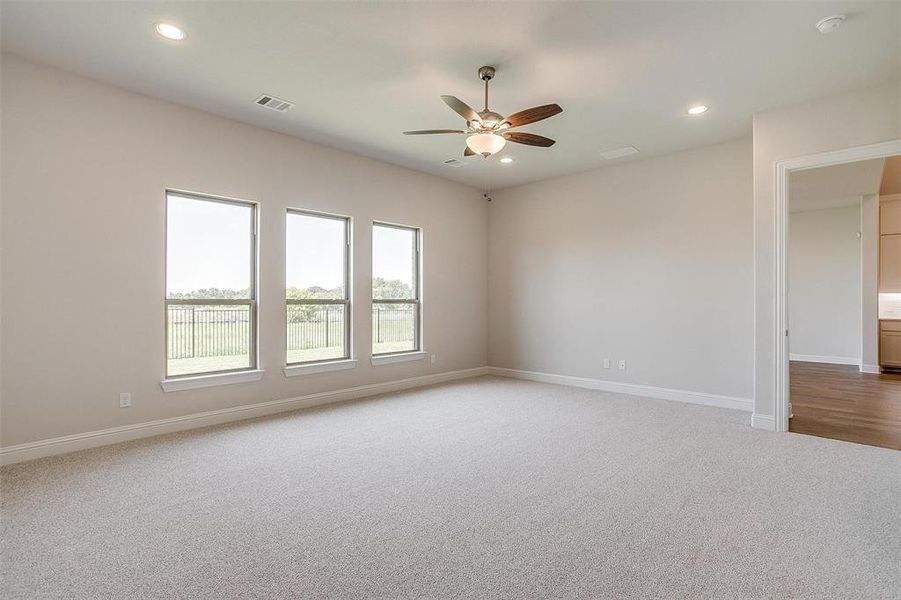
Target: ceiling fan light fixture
485 144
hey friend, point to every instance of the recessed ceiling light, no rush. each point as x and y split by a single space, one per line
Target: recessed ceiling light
506 160
700 109
170 32
830 23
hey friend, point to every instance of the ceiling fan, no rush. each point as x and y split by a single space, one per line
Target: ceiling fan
488 131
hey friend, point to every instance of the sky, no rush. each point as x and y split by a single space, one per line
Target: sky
392 254
208 245
314 252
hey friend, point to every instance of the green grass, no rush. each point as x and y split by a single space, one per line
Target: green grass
207 364
389 347
314 354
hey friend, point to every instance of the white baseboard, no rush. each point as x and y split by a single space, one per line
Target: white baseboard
745 404
764 422
870 369
114 435
832 360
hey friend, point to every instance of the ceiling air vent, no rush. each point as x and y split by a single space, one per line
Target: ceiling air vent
619 152
274 103
453 162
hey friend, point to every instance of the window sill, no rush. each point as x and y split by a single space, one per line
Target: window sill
322 367
387 359
201 381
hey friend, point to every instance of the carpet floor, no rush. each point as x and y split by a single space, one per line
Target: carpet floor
487 488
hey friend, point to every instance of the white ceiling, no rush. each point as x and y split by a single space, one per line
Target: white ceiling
361 73
835 186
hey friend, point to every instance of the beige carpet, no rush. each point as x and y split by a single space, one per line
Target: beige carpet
488 488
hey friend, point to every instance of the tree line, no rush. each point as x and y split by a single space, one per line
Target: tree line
381 288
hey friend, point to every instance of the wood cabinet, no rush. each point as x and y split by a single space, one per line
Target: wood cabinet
889 279
890 344
890 217
890 263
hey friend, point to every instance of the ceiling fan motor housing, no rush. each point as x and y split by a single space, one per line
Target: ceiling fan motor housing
490 115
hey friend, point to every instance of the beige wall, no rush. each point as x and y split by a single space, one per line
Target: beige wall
869 283
853 119
84 168
824 284
650 262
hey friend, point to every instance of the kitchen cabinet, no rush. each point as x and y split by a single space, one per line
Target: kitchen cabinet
890 264
890 217
890 344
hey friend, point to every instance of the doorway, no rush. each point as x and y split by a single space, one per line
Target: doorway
843 301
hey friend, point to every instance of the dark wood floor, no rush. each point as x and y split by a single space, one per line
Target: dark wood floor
840 402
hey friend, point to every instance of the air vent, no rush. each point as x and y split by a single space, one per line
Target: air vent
453 162
274 103
619 152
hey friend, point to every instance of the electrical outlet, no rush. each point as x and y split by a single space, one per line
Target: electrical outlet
606 363
622 365
434 358
125 400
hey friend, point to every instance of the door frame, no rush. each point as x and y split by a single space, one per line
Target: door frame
784 169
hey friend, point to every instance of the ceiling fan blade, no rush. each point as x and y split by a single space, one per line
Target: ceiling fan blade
529 139
461 108
531 115
431 131
468 152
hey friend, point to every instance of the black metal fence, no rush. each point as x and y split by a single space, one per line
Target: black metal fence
393 323
204 331
315 326
197 331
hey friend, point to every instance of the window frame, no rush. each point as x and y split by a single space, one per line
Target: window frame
417 289
251 302
346 301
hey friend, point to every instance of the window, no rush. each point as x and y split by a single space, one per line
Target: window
395 289
317 287
210 285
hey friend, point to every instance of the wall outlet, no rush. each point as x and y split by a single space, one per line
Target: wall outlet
125 400
606 363
434 358
622 365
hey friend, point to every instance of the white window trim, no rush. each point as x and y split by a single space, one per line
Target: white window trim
321 367
299 368
202 381
416 300
387 359
253 301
